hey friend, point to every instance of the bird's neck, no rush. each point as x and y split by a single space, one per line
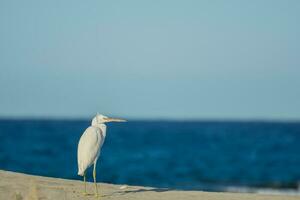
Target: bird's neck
102 127
99 125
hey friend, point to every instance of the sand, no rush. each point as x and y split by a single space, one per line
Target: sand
17 186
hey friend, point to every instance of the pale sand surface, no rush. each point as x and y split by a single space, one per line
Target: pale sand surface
17 186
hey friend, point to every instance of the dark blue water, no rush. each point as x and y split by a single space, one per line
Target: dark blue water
184 155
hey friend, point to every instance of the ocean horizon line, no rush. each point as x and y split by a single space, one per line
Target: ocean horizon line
154 119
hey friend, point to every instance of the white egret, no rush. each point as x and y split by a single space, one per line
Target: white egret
89 146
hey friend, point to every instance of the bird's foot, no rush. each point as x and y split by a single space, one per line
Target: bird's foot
85 194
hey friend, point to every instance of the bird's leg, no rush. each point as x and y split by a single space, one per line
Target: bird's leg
84 179
94 175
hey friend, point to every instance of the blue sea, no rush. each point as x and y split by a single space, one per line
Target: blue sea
190 155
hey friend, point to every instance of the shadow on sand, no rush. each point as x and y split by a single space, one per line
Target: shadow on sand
138 190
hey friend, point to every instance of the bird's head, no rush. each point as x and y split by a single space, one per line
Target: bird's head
101 119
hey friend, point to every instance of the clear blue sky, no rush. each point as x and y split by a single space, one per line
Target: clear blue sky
150 59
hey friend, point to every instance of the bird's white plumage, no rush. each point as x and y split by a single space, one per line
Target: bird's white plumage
89 146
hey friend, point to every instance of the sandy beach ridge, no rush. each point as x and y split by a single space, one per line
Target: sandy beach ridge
18 186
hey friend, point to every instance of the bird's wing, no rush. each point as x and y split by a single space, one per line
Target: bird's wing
89 148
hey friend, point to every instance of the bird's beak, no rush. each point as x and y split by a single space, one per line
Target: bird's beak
108 119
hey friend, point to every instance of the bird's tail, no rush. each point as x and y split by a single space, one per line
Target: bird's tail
80 172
